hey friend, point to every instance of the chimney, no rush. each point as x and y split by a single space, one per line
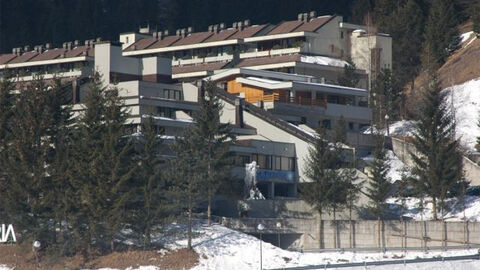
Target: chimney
99 39
160 35
246 23
183 32
178 32
165 33
240 26
222 26
48 46
210 28
38 48
300 16
190 30
76 43
87 43
26 48
69 45
239 103
234 25
215 28
155 35
14 51
313 14
305 17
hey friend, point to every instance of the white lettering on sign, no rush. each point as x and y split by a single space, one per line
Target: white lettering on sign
7 233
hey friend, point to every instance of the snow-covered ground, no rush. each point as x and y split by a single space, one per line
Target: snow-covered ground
221 248
455 213
397 167
466 108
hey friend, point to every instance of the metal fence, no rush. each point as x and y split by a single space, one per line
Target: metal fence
378 263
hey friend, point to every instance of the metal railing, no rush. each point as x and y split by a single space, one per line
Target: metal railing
377 263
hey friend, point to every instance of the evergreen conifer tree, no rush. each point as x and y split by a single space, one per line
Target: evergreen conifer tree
153 203
349 78
215 140
379 186
102 169
441 34
386 95
321 169
6 110
438 164
187 175
476 19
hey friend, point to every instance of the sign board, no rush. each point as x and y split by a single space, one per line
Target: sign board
7 233
264 175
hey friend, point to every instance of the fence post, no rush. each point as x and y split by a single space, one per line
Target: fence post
425 236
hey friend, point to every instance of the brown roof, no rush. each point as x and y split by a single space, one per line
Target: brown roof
24 57
193 38
314 24
248 32
5 58
78 51
200 67
141 44
268 60
285 27
165 42
222 35
48 55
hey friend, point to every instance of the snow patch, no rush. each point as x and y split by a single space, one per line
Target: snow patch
397 167
322 60
455 213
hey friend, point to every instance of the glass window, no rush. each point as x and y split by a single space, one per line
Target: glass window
278 163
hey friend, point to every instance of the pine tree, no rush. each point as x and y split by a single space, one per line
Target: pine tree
321 169
386 95
350 77
476 19
379 186
441 34
187 176
406 26
215 141
340 131
360 9
153 203
438 165
102 169
6 110
383 11
37 119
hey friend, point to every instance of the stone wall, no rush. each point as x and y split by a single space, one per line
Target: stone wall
403 149
363 233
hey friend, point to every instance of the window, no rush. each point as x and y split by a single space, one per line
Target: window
172 94
326 123
351 126
263 161
341 34
165 112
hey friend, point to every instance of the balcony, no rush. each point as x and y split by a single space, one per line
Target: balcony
272 52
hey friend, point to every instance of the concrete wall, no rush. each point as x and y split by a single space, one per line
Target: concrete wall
403 149
364 233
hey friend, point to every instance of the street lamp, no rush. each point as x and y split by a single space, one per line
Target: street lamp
260 228
386 121
279 226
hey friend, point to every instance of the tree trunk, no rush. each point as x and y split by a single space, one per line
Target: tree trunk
320 229
434 208
209 211
334 228
190 228
351 226
379 224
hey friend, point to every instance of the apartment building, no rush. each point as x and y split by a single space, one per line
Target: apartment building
298 99
311 45
146 86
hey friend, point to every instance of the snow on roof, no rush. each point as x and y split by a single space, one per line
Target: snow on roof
264 80
323 60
